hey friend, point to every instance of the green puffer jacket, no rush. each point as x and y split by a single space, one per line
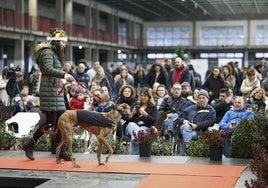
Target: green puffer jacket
52 73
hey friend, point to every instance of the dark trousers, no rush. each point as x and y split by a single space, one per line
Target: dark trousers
52 117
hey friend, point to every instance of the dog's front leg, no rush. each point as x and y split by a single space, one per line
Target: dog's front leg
99 152
110 149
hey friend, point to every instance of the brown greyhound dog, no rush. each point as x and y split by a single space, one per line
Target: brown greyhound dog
100 124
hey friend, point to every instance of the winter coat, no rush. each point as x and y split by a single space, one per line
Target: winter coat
235 116
172 105
77 104
203 117
247 86
52 73
213 85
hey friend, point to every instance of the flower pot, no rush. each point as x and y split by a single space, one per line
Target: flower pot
215 153
145 150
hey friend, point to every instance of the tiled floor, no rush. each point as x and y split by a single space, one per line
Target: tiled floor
104 180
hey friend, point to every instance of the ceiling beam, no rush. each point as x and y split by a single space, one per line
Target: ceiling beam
173 8
242 5
228 5
142 7
257 7
198 5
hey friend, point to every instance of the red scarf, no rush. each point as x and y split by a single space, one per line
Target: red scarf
177 74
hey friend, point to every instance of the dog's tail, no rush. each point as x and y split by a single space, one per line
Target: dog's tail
48 129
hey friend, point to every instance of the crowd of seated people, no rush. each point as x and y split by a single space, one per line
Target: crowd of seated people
191 105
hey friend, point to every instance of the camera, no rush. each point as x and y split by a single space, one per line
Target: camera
13 73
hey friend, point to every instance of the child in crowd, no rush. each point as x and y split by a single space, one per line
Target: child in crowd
77 102
105 104
23 102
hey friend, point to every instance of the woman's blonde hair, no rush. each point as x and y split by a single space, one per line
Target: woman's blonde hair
257 90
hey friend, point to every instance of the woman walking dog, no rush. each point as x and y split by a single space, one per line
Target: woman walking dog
50 58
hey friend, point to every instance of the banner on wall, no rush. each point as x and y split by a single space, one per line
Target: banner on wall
200 66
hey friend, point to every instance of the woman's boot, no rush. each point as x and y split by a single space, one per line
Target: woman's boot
29 146
28 149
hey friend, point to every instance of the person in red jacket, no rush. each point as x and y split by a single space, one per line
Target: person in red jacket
77 102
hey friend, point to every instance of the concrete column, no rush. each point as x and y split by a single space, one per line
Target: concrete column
88 12
245 59
19 8
95 54
88 54
115 28
69 52
59 12
19 52
110 55
32 4
69 15
95 18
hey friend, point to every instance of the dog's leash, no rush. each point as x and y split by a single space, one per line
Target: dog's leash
80 85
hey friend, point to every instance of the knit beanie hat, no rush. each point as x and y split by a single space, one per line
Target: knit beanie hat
204 93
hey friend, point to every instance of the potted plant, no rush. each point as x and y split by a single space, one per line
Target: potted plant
145 139
8 138
215 139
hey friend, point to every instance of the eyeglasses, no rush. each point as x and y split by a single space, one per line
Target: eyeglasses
176 88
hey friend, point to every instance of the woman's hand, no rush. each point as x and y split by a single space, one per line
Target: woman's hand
143 112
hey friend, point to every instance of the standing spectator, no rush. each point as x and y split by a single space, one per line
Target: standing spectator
35 79
139 77
197 76
228 77
172 105
180 73
238 78
157 73
264 83
122 81
102 78
144 116
196 118
214 83
249 83
81 75
92 71
231 120
259 67
50 59
18 78
168 65
3 82
265 69
68 69
117 73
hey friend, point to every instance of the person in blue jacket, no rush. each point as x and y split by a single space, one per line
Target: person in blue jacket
231 120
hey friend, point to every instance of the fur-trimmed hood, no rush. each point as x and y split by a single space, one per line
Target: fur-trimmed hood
40 47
